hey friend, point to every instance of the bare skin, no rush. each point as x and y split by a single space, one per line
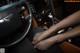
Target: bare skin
43 45
67 22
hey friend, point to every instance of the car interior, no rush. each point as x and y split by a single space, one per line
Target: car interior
19 17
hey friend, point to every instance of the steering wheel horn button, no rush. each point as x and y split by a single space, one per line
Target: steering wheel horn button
7 18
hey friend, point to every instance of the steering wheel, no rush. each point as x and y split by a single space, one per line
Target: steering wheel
14 26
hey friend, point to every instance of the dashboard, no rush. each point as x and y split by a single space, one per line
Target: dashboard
42 14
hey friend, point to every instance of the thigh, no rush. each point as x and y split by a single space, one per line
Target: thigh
23 47
52 49
33 32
